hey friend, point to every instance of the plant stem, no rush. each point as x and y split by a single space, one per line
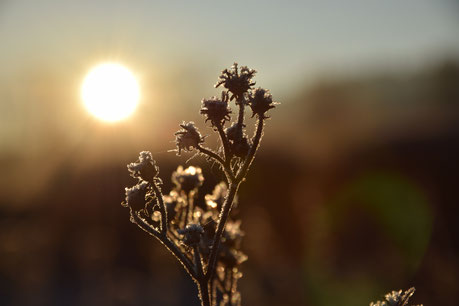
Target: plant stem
144 225
240 118
253 149
203 286
189 207
204 295
198 262
211 154
228 172
225 143
233 187
162 208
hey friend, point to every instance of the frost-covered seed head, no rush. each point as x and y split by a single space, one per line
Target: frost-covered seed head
237 82
241 147
188 137
216 199
233 234
230 254
396 298
260 102
233 132
144 168
188 179
216 110
231 257
192 234
171 200
393 298
135 196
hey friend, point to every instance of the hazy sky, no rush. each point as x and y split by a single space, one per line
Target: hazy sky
284 38
177 49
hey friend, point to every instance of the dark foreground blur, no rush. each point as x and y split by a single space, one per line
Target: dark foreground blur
353 194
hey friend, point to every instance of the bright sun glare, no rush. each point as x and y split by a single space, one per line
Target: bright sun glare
110 92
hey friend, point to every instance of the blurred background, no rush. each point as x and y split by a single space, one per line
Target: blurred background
354 190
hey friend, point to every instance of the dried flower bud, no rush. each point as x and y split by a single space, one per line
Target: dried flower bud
231 257
232 236
215 200
395 298
239 143
240 147
192 234
189 179
216 110
261 101
171 201
238 83
188 137
144 168
233 132
230 254
135 196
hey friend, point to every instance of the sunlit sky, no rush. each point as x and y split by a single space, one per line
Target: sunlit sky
47 45
177 49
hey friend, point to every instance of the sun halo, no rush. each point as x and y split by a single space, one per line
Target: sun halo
110 92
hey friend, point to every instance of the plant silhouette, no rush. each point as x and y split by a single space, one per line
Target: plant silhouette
206 241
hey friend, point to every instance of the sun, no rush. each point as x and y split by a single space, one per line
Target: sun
110 92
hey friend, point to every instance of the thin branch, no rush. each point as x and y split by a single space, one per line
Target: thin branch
225 142
228 172
219 231
211 154
189 207
203 285
253 149
203 288
230 292
162 208
144 225
240 118
198 262
213 291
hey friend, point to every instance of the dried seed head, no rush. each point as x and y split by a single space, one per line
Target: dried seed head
188 137
237 82
215 200
240 147
171 201
233 132
230 254
192 234
188 179
231 257
396 298
135 196
393 297
260 102
144 168
216 110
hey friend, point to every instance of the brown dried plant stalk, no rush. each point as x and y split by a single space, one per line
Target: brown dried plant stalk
206 238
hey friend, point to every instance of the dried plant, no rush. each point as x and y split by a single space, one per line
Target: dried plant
205 240
396 298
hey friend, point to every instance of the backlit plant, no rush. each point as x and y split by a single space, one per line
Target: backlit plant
396 298
205 240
